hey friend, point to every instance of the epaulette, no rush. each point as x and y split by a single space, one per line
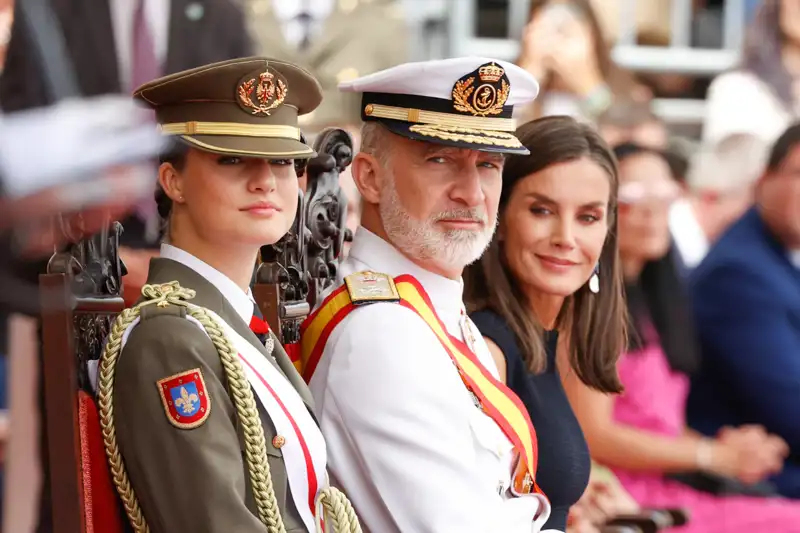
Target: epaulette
369 287
165 298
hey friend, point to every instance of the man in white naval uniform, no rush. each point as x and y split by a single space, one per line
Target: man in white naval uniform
408 440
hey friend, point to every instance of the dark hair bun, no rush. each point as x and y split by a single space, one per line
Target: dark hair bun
164 203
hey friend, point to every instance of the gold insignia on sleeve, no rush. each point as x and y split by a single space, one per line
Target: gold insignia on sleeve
259 93
488 97
370 287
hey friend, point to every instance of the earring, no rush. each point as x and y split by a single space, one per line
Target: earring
594 281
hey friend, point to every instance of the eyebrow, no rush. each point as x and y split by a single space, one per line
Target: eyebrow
546 199
440 149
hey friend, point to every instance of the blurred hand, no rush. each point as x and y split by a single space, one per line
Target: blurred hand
85 207
748 453
577 522
601 501
537 41
573 58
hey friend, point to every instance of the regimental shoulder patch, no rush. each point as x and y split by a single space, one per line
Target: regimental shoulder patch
185 399
371 287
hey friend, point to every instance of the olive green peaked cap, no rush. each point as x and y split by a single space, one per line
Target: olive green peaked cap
246 107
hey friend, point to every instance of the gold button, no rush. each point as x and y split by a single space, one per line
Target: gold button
278 441
369 109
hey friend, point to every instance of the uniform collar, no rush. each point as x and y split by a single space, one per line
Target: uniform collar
242 302
446 294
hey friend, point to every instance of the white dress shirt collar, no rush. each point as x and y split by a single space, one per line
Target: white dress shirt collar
794 258
446 294
242 302
687 234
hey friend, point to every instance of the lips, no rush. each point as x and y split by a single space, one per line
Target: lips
555 264
262 208
462 222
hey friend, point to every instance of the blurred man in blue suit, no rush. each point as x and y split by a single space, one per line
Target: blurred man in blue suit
746 297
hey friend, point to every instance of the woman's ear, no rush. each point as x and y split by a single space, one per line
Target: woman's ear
366 171
171 182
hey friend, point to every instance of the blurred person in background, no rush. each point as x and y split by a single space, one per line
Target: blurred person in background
759 99
335 40
564 48
551 273
641 434
115 46
632 121
719 185
746 296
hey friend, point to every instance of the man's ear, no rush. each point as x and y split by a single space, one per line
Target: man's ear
171 181
366 170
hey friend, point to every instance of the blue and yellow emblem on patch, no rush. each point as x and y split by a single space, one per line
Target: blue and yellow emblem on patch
185 399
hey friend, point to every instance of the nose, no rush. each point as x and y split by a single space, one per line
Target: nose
263 178
564 234
468 189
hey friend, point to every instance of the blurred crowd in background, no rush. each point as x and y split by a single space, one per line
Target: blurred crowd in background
692 94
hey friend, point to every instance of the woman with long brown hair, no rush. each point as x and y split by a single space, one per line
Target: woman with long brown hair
642 435
552 273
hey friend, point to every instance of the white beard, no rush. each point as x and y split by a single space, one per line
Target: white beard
423 240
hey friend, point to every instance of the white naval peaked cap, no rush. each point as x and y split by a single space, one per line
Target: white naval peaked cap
465 102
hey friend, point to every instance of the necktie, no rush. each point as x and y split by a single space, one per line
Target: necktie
144 68
144 63
259 326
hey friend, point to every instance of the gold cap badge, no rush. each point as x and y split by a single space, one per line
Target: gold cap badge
482 92
261 92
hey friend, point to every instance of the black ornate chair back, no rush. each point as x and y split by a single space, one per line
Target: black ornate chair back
80 298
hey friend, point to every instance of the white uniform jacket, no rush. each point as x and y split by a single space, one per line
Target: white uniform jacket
405 440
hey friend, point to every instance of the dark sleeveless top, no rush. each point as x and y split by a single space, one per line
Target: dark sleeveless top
564 462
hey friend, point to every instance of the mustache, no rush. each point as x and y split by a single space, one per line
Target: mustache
475 214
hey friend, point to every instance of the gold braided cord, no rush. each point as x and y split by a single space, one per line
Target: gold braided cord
239 388
337 508
339 512
467 135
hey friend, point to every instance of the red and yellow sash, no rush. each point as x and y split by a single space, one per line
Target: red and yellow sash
496 399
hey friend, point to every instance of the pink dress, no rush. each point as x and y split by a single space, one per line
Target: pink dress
654 400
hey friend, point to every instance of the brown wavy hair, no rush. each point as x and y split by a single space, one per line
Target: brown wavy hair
596 322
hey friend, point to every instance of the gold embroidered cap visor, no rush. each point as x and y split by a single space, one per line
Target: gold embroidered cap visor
418 119
244 107
435 101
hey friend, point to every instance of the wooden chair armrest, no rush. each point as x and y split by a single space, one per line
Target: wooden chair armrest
652 520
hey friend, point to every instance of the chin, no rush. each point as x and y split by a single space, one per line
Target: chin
269 231
562 286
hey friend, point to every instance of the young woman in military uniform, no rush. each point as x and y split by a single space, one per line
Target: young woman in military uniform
207 427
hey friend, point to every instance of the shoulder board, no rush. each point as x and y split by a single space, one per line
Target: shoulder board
164 297
370 287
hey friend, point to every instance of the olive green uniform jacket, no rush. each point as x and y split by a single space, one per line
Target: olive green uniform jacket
192 479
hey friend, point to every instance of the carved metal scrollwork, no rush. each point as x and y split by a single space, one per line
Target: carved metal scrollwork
92 262
94 270
326 209
303 264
